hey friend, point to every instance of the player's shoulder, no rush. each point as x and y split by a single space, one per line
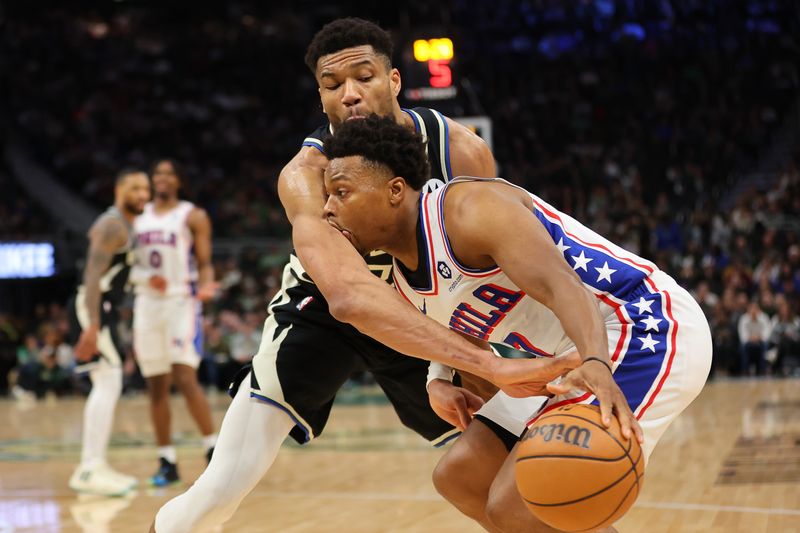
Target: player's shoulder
306 157
468 195
193 211
109 228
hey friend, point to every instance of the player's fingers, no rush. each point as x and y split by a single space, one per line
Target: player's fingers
638 431
474 402
571 381
461 410
625 418
606 405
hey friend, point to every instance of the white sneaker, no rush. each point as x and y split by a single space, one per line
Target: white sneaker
98 480
131 481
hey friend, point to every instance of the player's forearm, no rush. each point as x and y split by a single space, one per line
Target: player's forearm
97 263
205 273
358 297
91 285
377 310
576 309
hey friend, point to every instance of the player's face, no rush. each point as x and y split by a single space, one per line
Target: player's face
135 192
356 82
358 202
165 181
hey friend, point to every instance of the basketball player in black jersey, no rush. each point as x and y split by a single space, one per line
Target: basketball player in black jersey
94 320
321 331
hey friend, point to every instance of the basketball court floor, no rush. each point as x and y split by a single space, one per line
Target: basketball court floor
731 463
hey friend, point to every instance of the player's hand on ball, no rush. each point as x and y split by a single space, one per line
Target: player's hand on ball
521 378
87 344
455 405
594 376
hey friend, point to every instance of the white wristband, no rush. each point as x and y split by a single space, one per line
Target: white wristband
439 371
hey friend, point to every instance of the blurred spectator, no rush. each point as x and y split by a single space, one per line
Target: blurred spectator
754 329
9 340
50 371
785 339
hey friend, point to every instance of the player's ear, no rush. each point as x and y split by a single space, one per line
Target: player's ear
395 81
397 189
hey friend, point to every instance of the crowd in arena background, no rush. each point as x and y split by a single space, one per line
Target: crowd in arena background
636 122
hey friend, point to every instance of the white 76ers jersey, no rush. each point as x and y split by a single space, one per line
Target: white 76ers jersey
164 247
486 304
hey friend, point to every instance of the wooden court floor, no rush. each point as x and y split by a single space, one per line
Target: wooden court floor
731 463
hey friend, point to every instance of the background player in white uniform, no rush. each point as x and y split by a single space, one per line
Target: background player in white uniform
499 264
94 319
173 275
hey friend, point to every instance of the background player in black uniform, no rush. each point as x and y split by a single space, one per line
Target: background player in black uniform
310 343
94 319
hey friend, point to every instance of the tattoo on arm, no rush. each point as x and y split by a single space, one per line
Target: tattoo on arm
105 238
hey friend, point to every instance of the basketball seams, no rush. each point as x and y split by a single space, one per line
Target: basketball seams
634 484
626 452
588 496
612 460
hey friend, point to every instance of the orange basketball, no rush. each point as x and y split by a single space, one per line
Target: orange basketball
576 475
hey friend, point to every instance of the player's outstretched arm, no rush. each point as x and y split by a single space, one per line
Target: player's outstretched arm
200 226
477 216
106 236
360 298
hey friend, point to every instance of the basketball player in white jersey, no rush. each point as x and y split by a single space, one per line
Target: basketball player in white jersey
173 276
310 343
94 318
496 263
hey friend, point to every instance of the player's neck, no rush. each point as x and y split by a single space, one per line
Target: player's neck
404 237
165 204
127 215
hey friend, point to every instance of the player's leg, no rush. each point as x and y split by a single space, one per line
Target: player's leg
298 369
487 444
185 379
158 388
185 348
152 345
465 473
93 475
249 440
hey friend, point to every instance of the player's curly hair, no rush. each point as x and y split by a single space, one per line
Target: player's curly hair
383 141
176 166
348 33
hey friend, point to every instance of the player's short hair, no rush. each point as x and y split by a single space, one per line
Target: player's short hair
127 171
348 33
383 141
177 167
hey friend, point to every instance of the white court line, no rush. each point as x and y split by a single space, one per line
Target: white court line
429 497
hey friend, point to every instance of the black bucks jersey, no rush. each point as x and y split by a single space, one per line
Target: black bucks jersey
113 289
114 283
434 130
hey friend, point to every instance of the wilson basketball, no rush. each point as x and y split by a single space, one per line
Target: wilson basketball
576 475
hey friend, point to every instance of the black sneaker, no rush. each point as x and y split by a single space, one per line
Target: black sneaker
167 474
209 453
